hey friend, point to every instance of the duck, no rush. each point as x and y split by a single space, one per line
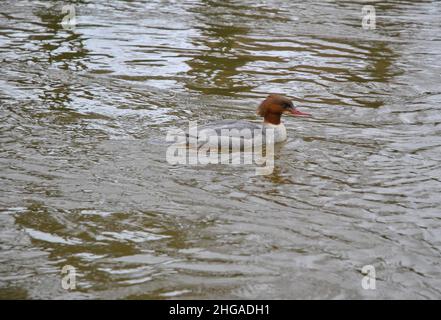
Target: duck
271 109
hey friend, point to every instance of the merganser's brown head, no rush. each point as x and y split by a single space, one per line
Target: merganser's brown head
272 108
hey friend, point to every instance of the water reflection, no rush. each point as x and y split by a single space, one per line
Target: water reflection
84 180
215 70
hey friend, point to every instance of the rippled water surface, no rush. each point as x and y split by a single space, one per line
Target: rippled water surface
84 180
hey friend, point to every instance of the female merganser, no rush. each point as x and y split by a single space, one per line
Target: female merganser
271 109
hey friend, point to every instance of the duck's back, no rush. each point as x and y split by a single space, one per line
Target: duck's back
231 133
232 128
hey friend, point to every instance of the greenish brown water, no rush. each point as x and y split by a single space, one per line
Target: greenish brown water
83 175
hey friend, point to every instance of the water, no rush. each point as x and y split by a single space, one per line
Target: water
85 182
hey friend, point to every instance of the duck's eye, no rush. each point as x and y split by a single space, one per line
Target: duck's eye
286 106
